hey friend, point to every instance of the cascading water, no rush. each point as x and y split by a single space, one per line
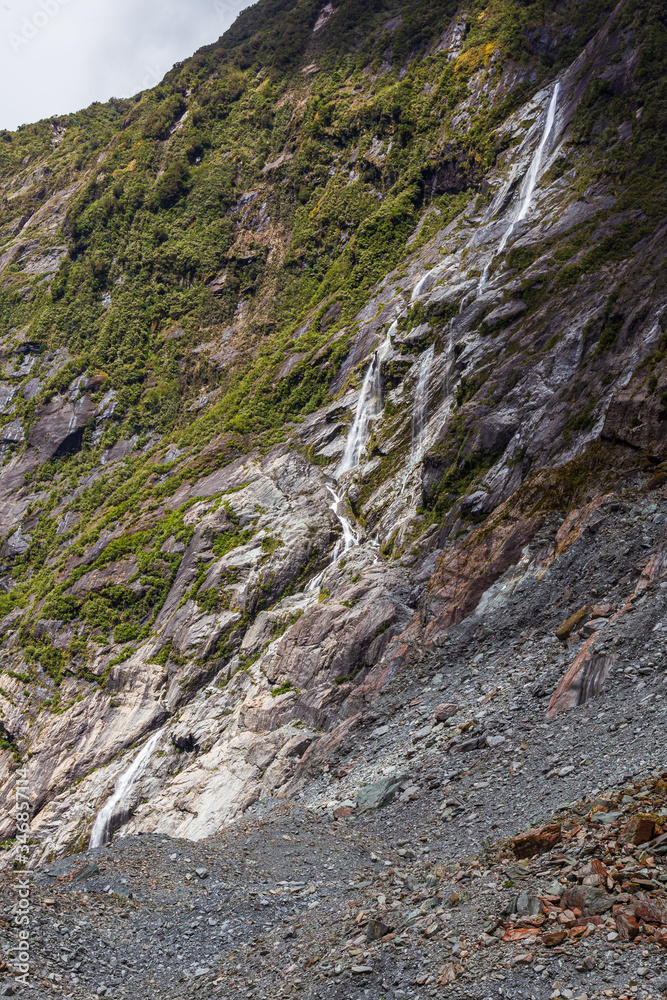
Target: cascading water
420 405
528 186
368 409
347 541
117 802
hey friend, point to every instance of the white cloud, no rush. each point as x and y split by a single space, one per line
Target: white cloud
57 56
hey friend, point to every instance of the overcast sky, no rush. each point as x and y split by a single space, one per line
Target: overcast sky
58 56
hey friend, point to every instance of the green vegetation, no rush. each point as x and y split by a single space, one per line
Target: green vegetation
219 236
282 689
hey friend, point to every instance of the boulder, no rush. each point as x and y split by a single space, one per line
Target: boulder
379 793
638 830
536 841
627 924
376 929
444 712
526 905
589 899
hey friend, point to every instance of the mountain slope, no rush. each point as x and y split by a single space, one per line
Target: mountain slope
382 285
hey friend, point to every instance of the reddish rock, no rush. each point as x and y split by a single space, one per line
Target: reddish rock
525 934
653 911
661 937
448 974
536 841
588 899
598 868
596 920
638 830
463 575
552 938
582 680
627 924
444 712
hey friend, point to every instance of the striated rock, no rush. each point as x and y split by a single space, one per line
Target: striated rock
583 679
536 841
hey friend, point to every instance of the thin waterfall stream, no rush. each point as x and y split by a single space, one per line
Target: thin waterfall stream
528 185
368 409
420 405
347 541
117 801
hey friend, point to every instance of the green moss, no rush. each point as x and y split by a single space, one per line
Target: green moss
282 689
270 543
7 742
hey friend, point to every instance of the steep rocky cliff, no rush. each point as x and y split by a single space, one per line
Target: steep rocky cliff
351 324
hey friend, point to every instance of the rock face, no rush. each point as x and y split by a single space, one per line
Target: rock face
242 546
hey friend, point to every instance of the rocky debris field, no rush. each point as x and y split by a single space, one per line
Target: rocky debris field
467 834
298 903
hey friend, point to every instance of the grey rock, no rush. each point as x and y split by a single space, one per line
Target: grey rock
466 745
90 871
606 818
379 793
588 898
527 905
421 734
505 312
59 426
12 433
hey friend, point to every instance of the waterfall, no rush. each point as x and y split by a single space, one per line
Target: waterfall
420 405
450 358
528 185
118 801
368 408
348 539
